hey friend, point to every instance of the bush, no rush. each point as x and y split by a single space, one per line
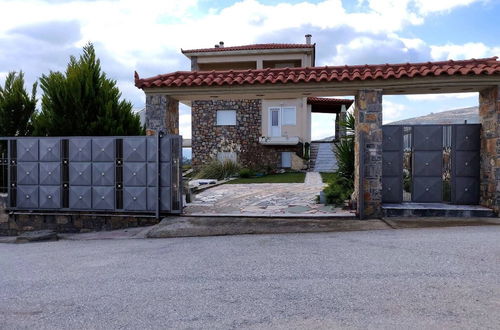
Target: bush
338 190
344 149
218 170
246 173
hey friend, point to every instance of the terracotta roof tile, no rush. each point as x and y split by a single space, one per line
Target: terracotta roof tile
329 101
485 66
247 47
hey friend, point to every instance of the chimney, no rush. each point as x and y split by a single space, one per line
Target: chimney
216 46
308 39
221 44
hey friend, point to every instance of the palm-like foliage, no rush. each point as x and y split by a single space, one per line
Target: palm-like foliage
344 149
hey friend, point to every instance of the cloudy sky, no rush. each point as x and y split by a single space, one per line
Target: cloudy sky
38 36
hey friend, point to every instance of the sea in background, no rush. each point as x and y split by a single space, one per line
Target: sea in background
187 153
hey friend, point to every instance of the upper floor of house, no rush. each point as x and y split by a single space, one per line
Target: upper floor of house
257 56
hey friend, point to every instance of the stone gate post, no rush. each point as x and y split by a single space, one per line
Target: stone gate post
368 152
489 114
162 114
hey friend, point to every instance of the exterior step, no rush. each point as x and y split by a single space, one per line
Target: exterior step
436 210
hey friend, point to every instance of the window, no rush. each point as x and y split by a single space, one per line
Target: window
286 159
226 117
289 116
222 156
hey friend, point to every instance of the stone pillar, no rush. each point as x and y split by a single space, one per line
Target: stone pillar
368 157
489 114
340 131
162 114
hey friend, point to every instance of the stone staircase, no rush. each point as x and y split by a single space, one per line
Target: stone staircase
322 157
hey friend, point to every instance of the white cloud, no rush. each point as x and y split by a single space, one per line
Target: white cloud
392 111
440 97
464 51
429 6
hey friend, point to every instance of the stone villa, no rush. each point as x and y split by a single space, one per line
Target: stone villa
265 131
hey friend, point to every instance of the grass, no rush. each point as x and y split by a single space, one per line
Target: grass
328 177
291 177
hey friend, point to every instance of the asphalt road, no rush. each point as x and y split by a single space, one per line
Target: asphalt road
387 279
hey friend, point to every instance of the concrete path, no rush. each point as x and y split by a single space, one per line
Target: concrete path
325 160
383 279
313 179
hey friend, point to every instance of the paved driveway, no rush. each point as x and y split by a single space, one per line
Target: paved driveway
406 279
264 199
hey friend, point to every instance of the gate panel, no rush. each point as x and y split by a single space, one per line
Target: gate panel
50 150
103 198
428 137
103 174
427 164
134 199
103 149
27 150
50 197
134 174
392 164
96 173
50 173
466 190
80 150
465 164
80 174
27 173
27 197
80 198
134 150
427 189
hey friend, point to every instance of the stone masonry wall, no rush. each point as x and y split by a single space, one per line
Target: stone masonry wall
162 114
368 116
489 113
208 139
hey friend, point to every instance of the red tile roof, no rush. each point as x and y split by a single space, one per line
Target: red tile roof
485 66
247 47
329 101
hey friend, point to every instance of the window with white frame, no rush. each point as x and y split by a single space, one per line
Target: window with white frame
222 156
226 117
289 116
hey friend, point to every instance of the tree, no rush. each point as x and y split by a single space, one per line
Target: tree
83 101
16 106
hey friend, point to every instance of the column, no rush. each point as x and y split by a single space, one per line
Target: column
162 114
489 114
368 153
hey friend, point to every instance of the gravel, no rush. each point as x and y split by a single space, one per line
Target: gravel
385 279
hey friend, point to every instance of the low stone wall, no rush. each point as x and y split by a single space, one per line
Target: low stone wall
4 218
17 223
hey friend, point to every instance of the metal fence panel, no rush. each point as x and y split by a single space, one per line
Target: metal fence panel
131 174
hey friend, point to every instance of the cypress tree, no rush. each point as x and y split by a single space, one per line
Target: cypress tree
83 101
16 106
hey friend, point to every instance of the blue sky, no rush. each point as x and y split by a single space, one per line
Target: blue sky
37 36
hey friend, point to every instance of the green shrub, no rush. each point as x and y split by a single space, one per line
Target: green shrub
246 173
218 170
338 190
344 149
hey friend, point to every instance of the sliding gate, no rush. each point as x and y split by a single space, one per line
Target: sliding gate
113 174
431 163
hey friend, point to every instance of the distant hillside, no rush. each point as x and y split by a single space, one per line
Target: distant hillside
457 116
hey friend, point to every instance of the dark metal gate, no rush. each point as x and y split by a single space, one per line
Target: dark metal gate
431 163
113 174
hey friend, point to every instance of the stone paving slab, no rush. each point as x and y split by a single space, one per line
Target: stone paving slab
263 198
